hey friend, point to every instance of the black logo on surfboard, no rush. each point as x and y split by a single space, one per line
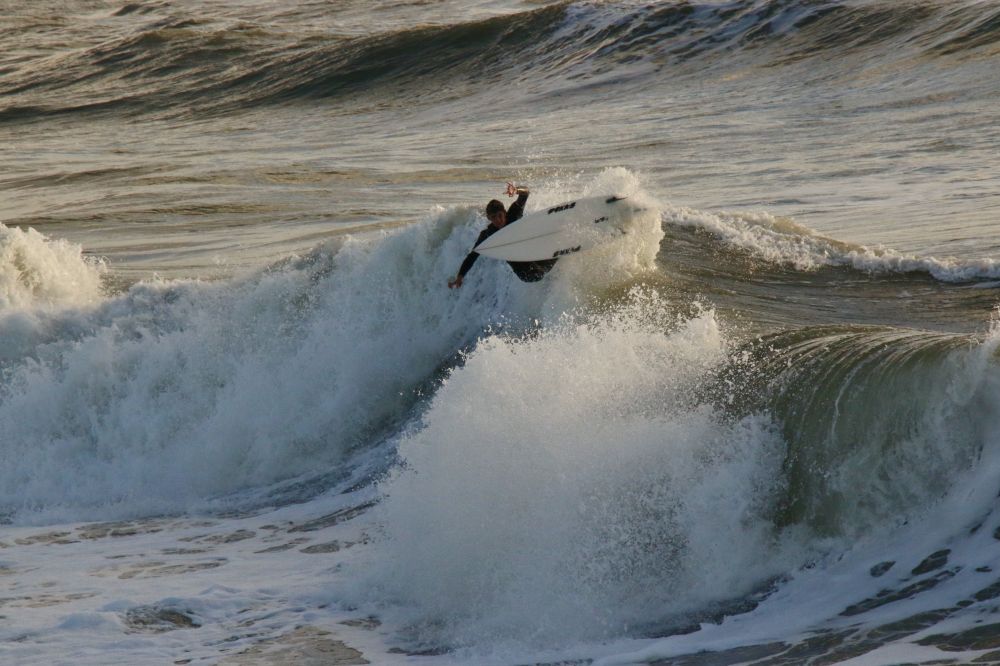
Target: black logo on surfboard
569 250
571 204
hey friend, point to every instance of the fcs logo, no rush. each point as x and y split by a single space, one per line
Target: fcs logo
569 250
572 204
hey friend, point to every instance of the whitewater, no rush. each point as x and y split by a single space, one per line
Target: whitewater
243 419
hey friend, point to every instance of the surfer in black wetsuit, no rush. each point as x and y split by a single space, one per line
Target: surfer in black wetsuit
528 271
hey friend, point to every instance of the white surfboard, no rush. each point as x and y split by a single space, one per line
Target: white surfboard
560 230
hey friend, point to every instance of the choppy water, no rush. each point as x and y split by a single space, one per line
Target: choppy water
765 423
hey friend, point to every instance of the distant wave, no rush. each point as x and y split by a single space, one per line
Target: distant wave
783 241
185 64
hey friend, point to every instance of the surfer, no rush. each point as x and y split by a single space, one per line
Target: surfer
499 217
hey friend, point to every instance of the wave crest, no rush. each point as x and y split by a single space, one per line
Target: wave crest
783 241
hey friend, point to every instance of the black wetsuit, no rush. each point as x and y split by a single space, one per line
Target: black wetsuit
528 271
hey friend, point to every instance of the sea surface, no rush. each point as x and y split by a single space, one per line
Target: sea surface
243 420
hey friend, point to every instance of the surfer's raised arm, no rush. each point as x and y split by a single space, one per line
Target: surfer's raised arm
499 217
512 190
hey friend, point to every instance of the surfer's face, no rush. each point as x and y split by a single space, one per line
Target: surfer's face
498 219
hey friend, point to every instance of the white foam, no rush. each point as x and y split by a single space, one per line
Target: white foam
37 271
566 487
175 392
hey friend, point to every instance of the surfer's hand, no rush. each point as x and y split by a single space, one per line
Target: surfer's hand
457 282
514 190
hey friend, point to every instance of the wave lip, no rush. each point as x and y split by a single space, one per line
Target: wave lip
879 422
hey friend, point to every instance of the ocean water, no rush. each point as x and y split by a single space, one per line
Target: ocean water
243 420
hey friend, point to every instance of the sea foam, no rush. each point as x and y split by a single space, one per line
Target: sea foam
566 486
36 271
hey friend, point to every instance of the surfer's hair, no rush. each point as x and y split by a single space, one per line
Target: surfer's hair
494 207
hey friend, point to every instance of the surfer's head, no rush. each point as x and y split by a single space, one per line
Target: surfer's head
496 213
